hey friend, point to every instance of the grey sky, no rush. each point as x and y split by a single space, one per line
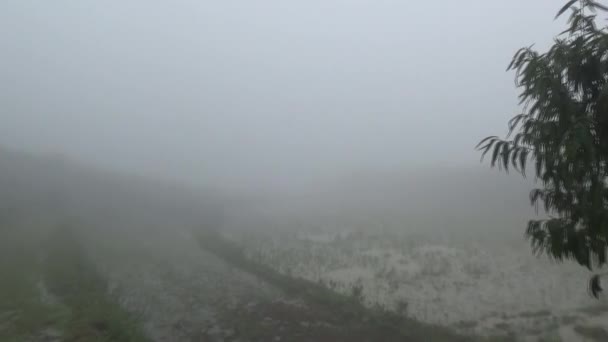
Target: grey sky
261 92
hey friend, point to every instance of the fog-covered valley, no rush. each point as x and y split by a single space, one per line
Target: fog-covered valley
471 272
285 171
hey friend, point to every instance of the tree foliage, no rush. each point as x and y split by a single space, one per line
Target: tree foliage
563 133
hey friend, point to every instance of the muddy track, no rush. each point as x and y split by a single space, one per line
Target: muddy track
179 292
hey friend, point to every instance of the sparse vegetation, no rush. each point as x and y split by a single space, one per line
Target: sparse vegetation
345 312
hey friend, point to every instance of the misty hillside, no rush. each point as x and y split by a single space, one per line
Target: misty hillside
81 235
53 188
467 198
303 171
158 252
455 200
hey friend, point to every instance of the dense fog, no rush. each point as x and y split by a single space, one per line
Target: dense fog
260 95
230 170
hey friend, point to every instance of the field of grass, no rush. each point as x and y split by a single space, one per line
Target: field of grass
452 283
24 313
51 292
328 315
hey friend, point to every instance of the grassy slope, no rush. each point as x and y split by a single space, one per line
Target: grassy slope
346 318
51 292
23 313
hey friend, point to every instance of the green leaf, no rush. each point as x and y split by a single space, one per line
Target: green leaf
523 156
565 8
505 156
492 137
495 153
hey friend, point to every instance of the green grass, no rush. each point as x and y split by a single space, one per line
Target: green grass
73 279
23 313
49 288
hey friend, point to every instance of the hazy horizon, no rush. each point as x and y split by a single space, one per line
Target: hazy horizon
266 94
